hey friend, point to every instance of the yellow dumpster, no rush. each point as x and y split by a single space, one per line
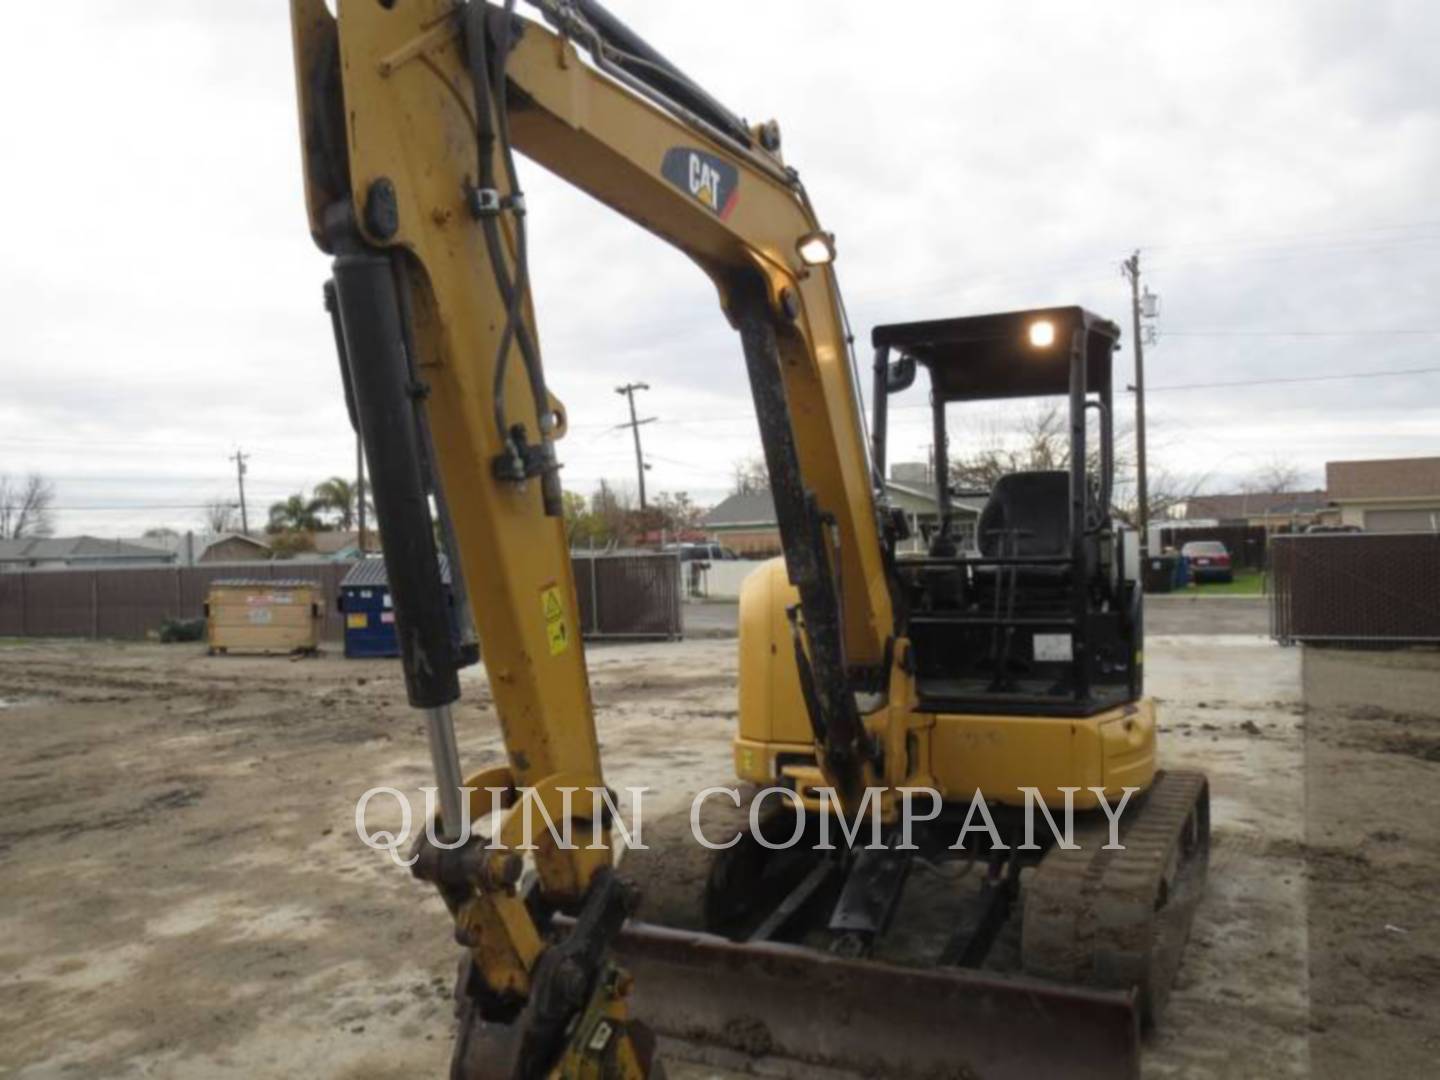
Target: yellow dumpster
263 616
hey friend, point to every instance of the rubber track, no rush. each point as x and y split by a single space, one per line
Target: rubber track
1120 919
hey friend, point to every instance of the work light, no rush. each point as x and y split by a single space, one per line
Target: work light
1042 333
816 248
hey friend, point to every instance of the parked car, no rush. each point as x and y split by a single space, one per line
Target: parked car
1209 560
702 552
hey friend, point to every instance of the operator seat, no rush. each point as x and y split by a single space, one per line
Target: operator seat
1028 514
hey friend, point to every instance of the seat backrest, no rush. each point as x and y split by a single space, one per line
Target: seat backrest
1036 505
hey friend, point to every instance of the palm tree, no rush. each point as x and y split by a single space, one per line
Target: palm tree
337 494
295 514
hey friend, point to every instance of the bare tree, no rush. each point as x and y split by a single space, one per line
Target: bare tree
25 507
219 516
1276 477
1164 492
677 511
1039 440
1035 441
750 476
612 511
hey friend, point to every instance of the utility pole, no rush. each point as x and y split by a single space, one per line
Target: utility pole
1131 267
634 425
239 458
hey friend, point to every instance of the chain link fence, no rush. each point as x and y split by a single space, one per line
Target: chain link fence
1357 588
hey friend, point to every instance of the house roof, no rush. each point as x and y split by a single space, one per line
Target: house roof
210 540
1383 478
175 542
971 503
73 549
757 508
330 541
1248 504
747 508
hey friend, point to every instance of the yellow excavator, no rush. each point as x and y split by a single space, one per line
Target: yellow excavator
948 685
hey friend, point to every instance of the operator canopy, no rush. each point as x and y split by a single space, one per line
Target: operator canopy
1009 355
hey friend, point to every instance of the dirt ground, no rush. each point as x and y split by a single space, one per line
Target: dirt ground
184 894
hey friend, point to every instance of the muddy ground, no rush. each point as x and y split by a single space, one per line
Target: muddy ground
182 892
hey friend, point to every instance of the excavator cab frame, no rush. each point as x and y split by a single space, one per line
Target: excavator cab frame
1043 616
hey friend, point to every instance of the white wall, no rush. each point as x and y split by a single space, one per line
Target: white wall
722 580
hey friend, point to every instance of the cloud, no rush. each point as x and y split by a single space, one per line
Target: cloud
1276 164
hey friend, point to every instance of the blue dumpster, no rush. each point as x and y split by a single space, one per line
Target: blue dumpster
369 612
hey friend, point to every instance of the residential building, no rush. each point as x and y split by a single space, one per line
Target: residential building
338 546
1279 511
77 552
1386 494
746 523
193 548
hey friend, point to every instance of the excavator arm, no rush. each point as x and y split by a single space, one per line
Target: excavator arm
411 111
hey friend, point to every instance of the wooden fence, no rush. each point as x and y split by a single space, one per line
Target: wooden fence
625 595
131 603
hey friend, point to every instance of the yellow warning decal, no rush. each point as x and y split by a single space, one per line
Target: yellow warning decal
356 621
557 632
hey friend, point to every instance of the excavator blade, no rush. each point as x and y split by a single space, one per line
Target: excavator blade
769 1009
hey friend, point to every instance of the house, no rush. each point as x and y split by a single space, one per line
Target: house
338 546
922 509
192 548
233 547
1280 511
1386 494
77 553
746 524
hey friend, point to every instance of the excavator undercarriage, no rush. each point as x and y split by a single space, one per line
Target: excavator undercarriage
987 961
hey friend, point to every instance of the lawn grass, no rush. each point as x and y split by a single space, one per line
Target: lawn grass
1245 583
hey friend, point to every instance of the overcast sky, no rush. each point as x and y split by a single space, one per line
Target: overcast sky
1277 163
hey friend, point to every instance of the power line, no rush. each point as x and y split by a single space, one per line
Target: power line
132 506
1300 379
1301 333
1290 238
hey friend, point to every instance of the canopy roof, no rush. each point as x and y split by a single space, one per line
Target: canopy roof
991 356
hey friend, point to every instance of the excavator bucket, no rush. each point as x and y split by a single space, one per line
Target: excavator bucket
718 1007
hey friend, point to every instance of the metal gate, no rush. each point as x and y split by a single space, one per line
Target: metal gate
631 594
